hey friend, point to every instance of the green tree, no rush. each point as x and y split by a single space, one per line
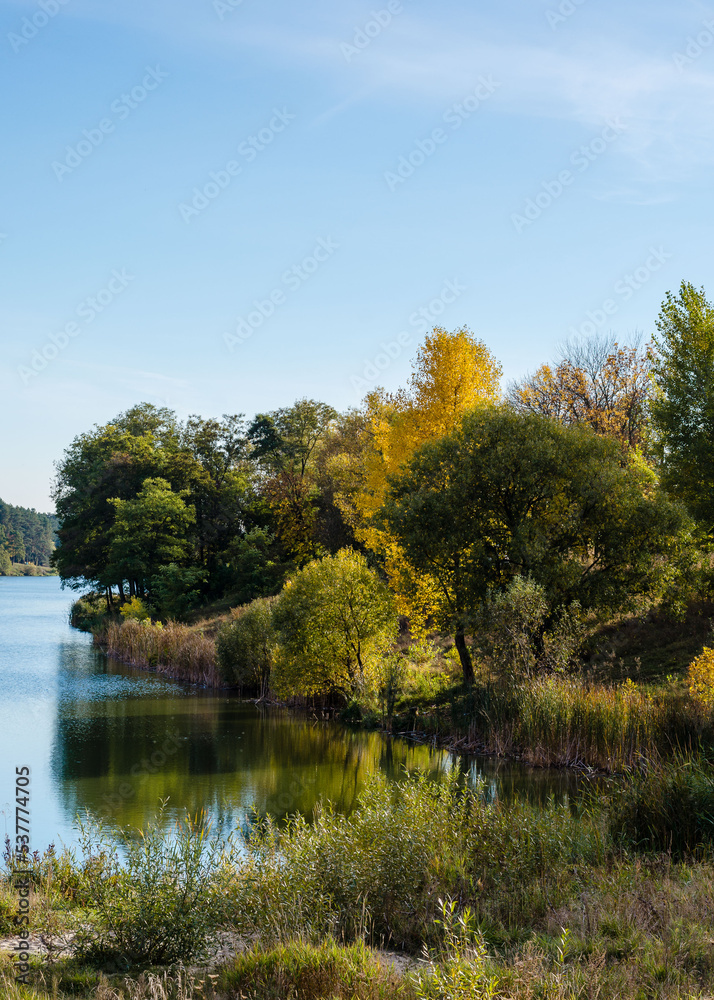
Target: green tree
109 462
336 619
683 409
286 440
512 494
149 532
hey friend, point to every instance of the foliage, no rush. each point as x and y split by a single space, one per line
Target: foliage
246 646
149 531
596 382
457 970
700 677
335 619
512 494
286 439
154 901
512 620
25 537
381 871
145 492
88 613
453 372
176 590
683 409
135 610
666 807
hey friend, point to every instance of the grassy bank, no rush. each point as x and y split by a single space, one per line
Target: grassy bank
27 569
627 701
425 892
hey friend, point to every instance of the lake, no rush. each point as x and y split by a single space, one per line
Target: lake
101 736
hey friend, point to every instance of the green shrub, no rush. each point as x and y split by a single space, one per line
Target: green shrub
153 901
666 807
135 610
336 619
89 613
246 646
382 871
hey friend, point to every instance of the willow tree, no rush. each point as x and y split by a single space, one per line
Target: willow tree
510 494
336 620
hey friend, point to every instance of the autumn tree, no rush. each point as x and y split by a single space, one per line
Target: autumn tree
453 372
596 382
508 494
683 408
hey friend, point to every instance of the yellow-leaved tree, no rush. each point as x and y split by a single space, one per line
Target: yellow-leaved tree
453 372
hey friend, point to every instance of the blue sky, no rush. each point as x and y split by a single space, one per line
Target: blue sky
323 172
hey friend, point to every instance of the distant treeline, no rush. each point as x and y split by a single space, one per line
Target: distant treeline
25 537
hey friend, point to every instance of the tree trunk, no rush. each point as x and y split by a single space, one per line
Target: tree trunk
465 657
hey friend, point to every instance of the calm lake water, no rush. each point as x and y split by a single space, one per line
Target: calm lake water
100 736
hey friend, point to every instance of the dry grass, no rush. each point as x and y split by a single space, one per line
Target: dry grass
175 650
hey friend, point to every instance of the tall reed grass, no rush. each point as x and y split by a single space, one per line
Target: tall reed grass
172 649
561 721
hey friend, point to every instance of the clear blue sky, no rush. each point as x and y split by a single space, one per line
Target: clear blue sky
544 157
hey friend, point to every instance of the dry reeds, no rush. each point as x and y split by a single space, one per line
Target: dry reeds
172 649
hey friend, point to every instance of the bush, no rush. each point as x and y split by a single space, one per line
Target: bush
700 678
89 613
666 807
336 619
135 610
511 621
381 871
246 646
154 898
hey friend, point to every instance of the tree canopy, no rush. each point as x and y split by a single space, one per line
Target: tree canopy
683 408
510 494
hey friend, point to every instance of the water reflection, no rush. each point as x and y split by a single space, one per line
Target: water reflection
115 741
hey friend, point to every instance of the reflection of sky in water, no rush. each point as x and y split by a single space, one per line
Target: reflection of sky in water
103 737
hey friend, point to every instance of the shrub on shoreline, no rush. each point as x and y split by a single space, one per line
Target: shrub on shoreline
246 647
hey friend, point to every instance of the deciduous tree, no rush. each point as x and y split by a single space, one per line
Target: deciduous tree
335 619
596 382
683 409
508 494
